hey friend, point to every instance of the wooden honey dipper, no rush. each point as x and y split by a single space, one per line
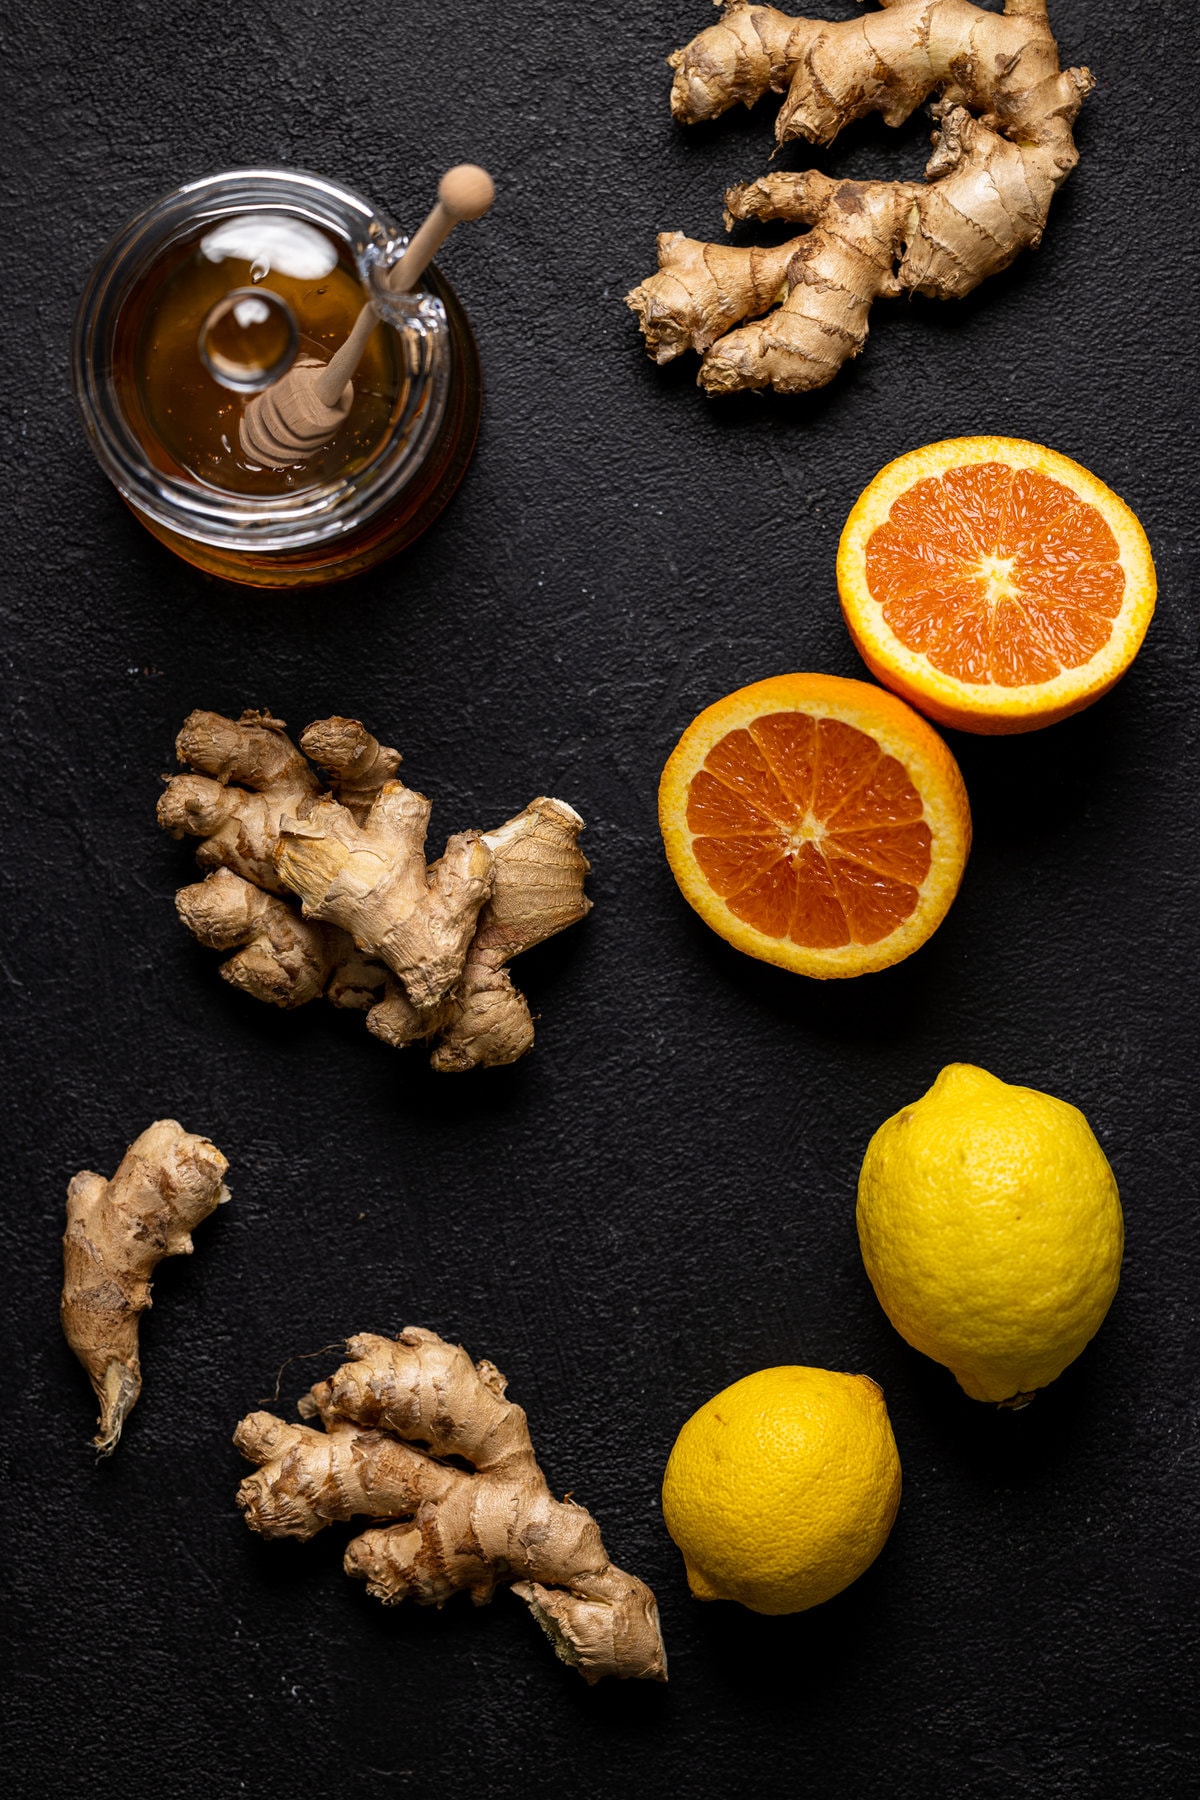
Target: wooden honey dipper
298 414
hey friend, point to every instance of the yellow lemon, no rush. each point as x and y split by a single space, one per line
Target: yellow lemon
782 1489
991 1229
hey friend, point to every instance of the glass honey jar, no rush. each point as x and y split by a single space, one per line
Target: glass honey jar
163 374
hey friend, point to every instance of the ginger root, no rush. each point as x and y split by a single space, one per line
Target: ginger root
117 1233
399 1421
1003 148
421 949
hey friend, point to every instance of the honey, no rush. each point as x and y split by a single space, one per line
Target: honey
210 295
189 419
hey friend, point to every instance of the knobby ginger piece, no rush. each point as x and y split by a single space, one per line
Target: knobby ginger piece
1003 148
398 1421
117 1233
319 885
249 773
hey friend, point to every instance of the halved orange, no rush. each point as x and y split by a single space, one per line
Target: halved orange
815 822
995 584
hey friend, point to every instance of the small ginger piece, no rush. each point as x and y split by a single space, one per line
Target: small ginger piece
249 774
281 957
1003 148
329 893
399 1421
117 1233
373 882
357 765
536 892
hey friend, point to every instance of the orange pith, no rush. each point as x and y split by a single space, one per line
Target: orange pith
997 574
808 830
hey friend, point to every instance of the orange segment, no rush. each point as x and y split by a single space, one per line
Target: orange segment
994 584
788 741
739 764
815 822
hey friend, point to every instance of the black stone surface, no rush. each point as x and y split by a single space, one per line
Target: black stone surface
660 1198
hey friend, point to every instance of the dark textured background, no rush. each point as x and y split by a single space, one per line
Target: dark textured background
660 1198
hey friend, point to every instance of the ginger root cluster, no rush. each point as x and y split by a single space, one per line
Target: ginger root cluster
417 1434
320 886
1002 149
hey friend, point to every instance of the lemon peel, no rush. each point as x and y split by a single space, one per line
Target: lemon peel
783 1488
991 1230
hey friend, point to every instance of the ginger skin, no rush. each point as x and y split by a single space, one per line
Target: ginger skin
420 948
117 1233
391 1417
1003 148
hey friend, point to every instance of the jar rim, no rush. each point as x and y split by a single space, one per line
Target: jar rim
272 523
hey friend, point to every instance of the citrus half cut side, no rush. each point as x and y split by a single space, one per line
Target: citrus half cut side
816 823
994 584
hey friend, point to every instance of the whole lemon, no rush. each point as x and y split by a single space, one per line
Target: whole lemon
991 1229
782 1489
